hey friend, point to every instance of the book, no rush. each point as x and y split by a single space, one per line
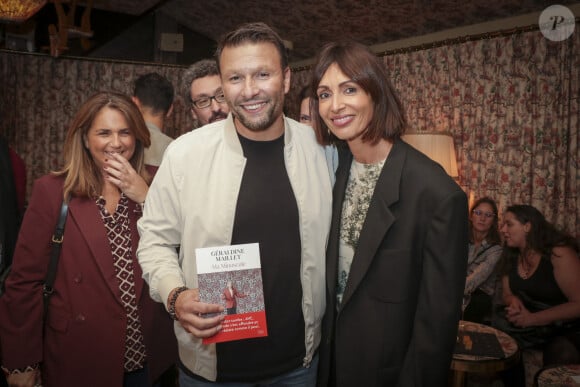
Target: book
478 344
232 276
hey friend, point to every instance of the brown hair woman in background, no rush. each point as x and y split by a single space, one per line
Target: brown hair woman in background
484 252
101 321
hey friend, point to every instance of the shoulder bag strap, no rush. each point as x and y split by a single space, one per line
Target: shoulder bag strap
57 238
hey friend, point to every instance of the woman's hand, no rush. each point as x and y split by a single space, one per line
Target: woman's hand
520 318
515 311
189 310
24 379
514 304
119 171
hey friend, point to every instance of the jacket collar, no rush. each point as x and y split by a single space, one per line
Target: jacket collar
378 220
84 212
233 142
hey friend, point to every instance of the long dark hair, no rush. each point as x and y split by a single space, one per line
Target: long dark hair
542 237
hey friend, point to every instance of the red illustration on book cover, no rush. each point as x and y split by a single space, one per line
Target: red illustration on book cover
232 276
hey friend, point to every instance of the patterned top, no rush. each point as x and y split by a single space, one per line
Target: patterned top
119 235
481 263
358 195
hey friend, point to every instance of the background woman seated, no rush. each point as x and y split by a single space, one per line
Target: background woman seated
541 289
484 252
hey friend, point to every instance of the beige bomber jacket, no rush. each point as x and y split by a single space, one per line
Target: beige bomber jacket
191 203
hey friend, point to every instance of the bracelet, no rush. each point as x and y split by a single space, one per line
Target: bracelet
171 303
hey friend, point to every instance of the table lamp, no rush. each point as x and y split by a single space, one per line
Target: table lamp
438 146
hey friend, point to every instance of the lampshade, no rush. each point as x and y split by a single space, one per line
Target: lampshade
438 146
19 10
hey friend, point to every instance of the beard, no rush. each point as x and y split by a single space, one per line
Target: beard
265 120
217 116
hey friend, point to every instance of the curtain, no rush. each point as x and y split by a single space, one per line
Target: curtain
511 104
40 95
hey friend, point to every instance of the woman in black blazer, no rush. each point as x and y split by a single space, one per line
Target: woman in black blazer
396 256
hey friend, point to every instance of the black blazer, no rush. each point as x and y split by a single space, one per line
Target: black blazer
397 323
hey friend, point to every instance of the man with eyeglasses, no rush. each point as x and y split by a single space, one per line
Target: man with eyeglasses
202 88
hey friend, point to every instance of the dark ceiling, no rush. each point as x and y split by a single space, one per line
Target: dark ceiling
308 24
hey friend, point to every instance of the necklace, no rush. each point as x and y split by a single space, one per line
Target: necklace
526 265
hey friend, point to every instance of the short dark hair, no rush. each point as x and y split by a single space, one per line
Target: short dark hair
154 91
361 65
200 69
252 33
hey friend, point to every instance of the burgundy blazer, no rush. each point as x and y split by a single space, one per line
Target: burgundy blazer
84 337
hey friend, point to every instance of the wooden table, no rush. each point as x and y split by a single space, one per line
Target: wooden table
463 364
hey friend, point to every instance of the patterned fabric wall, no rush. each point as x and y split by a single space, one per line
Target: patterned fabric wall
44 92
511 103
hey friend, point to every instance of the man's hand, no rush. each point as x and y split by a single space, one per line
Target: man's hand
24 379
190 311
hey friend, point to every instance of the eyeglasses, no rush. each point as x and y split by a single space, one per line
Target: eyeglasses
480 213
204 102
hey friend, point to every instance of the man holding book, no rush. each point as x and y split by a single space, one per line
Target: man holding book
255 177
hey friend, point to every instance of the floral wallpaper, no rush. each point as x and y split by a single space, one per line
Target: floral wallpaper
511 103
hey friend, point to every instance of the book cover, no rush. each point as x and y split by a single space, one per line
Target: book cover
232 276
478 344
